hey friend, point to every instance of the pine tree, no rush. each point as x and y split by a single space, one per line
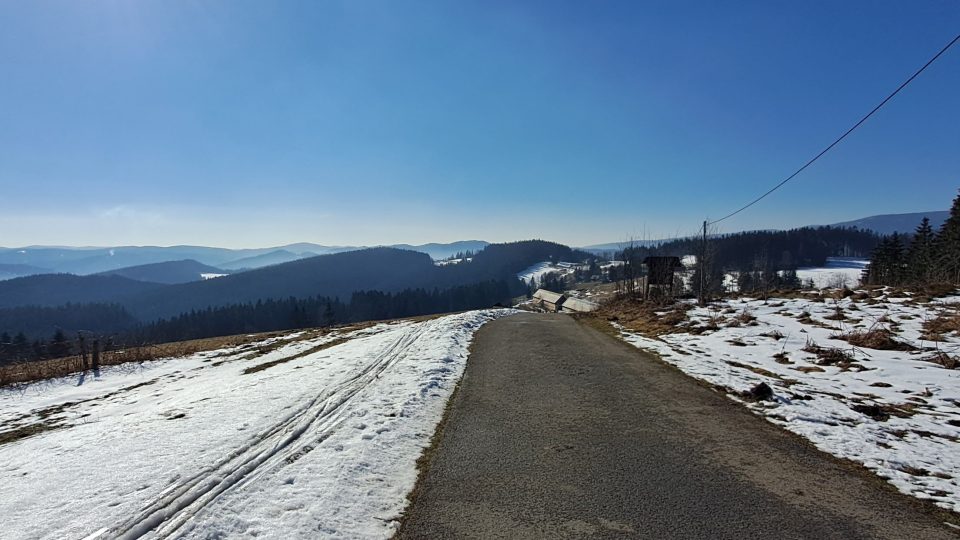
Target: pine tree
59 346
920 255
878 271
328 317
947 246
896 261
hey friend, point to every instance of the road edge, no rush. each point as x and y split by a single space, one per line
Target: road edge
951 520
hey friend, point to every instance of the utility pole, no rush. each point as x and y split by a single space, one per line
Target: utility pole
702 260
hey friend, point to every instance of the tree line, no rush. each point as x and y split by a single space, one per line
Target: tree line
262 316
925 258
762 260
766 250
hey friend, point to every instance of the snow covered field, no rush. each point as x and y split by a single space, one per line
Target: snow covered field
839 272
287 438
536 272
896 412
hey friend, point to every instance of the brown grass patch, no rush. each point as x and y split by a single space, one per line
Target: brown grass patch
648 318
27 372
23 432
809 369
946 322
830 356
312 350
883 412
878 338
755 369
944 359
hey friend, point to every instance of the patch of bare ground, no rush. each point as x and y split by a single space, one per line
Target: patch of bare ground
782 358
944 359
312 350
883 412
22 432
929 292
830 356
649 318
947 322
877 338
755 369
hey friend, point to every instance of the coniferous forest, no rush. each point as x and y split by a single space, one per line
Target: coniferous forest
926 257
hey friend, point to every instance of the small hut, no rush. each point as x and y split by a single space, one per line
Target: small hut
577 305
548 300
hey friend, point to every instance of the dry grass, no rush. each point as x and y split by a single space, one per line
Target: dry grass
782 358
27 372
878 338
830 356
947 322
944 359
23 432
318 348
648 318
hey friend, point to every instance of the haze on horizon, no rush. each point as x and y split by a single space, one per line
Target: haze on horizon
245 124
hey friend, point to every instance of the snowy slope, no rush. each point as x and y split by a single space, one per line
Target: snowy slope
537 271
916 448
322 442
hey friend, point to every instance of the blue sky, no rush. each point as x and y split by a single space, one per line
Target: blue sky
258 123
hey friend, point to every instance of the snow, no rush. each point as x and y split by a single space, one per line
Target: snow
320 445
536 271
212 276
839 272
918 451
447 262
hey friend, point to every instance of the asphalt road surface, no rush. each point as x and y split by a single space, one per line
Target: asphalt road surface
561 431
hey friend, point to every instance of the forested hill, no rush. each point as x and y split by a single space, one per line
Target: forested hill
807 246
59 289
170 272
336 275
388 270
339 275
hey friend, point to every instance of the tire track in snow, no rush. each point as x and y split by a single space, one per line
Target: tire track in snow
268 452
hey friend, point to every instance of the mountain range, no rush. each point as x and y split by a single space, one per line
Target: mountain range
185 262
30 260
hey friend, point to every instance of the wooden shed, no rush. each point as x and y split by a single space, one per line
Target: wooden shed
548 300
660 272
577 305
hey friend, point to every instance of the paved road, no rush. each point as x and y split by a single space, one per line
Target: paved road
561 431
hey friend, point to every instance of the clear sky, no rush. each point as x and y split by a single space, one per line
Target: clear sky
249 123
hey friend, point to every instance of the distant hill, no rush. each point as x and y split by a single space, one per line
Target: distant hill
170 272
335 275
10 271
95 260
901 223
619 246
445 251
59 289
279 256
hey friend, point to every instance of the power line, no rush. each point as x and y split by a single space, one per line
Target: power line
848 132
